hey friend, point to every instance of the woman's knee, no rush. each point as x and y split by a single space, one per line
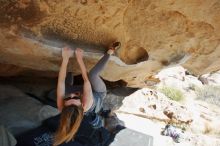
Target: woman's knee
92 75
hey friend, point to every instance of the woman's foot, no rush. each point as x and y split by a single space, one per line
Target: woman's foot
115 46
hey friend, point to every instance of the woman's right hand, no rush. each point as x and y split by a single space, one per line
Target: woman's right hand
79 54
67 53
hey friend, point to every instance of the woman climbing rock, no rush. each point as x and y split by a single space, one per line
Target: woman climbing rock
73 103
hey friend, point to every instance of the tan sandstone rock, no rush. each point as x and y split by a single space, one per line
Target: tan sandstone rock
153 34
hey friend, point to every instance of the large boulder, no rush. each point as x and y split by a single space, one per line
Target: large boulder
154 105
153 34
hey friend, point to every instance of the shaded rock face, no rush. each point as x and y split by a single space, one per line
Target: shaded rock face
153 34
18 118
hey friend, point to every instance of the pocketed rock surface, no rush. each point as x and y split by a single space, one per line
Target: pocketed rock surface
153 35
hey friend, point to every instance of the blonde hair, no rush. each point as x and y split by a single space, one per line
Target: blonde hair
70 121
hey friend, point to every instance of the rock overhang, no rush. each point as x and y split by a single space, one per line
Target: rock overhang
153 34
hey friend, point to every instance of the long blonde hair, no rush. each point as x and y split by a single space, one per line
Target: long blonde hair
71 117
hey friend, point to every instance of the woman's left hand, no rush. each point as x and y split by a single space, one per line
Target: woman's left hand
79 53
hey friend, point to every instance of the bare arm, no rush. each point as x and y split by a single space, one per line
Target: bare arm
87 98
66 54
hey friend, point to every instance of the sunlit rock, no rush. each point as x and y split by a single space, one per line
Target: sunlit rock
153 35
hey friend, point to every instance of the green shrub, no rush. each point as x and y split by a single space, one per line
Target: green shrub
209 93
172 93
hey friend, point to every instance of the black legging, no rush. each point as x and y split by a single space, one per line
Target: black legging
94 75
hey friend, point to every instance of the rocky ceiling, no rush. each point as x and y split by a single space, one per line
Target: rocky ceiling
154 34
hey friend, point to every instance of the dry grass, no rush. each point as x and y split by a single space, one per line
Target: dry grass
172 93
209 93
